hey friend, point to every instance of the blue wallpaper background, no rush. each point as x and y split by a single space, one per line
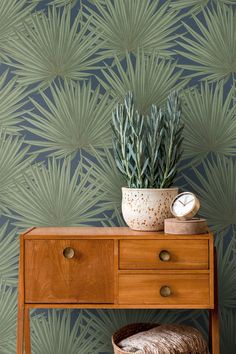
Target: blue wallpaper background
64 66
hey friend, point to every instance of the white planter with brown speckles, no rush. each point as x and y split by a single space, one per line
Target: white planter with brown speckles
146 208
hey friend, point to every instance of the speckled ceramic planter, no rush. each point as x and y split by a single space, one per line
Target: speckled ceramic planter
146 209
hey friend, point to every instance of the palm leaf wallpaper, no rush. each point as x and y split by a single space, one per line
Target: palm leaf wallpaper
64 66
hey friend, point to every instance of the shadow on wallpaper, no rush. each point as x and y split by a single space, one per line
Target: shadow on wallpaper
64 65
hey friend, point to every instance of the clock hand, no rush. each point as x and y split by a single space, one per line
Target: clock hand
189 201
181 202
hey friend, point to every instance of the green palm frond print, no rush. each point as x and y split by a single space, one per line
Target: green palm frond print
57 3
11 104
106 171
52 48
60 3
95 1
216 188
57 334
211 48
64 65
228 339
115 219
209 119
75 118
53 196
14 161
8 314
150 78
197 5
9 250
12 14
227 274
127 26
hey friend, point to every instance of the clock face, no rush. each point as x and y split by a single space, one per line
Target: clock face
183 204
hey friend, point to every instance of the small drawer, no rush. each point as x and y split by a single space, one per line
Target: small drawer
163 254
164 289
69 271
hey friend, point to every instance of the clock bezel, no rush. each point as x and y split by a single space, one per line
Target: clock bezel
191 213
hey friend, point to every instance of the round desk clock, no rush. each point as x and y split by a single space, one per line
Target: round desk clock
184 207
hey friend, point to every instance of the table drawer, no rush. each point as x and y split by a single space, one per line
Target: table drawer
163 254
69 271
185 289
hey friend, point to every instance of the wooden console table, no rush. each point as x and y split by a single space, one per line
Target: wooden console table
115 267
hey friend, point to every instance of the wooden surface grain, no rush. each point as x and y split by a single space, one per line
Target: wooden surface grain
114 267
186 289
87 277
145 254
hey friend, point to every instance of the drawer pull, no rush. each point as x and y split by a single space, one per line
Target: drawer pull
68 253
164 256
165 291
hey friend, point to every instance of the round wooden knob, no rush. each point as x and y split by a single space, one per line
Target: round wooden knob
68 253
164 256
165 291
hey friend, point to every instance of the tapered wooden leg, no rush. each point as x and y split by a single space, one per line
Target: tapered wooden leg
20 330
214 331
214 334
27 331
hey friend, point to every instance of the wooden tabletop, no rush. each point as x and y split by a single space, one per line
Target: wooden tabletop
103 232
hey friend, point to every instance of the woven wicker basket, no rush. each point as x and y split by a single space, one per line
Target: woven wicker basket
135 328
128 331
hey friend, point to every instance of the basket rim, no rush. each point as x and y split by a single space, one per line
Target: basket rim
141 326
127 328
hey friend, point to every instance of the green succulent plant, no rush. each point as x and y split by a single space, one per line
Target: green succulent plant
148 148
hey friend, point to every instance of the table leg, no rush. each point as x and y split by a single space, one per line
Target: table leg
214 332
20 330
27 331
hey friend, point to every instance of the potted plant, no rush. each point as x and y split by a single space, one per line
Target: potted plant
147 151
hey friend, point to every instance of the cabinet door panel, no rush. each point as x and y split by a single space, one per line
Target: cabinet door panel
69 271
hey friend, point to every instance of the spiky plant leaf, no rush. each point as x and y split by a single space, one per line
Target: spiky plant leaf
227 273
8 314
53 196
133 25
171 146
216 188
12 14
76 118
210 124
11 104
196 6
150 78
9 250
105 170
14 160
147 149
59 334
212 46
52 48
105 323
129 136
